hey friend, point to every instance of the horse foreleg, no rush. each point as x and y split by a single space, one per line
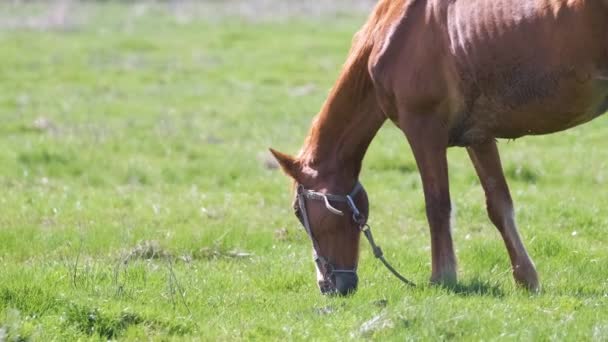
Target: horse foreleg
428 139
486 160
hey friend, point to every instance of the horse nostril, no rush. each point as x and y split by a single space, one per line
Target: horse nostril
326 287
346 282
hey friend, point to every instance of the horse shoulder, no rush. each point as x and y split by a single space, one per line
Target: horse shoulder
409 64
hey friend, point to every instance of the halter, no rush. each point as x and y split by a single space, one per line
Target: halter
324 265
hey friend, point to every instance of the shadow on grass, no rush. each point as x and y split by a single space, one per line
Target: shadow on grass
475 287
581 292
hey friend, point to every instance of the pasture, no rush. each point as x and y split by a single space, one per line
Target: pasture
138 200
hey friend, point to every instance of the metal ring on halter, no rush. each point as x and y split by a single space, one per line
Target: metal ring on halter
353 207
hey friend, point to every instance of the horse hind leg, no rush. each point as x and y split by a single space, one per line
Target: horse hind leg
428 139
487 163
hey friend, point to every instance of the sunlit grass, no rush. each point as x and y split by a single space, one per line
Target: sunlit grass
136 203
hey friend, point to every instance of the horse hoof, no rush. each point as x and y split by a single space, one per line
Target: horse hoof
446 279
532 286
527 278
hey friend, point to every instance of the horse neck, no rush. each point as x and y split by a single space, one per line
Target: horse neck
343 130
351 116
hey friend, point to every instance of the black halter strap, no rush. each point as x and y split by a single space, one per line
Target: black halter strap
325 266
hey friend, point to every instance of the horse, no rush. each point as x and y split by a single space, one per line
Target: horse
455 73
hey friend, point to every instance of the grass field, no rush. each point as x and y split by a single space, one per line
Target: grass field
137 200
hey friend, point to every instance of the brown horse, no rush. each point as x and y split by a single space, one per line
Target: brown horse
448 73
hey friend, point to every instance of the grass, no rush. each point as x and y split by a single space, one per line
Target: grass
136 202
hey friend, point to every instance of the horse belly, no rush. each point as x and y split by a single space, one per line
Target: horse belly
527 67
571 104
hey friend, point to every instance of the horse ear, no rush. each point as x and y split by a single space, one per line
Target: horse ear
288 164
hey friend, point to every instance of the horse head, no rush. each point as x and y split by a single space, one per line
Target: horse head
332 211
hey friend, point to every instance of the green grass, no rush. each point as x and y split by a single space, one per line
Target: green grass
135 203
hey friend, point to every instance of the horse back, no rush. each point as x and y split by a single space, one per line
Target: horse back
500 68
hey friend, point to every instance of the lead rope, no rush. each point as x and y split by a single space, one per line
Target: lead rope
367 231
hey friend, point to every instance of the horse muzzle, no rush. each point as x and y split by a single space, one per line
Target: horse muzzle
339 283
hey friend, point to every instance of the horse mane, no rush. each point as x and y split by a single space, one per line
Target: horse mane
354 81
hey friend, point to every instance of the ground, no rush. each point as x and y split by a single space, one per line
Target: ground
138 200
